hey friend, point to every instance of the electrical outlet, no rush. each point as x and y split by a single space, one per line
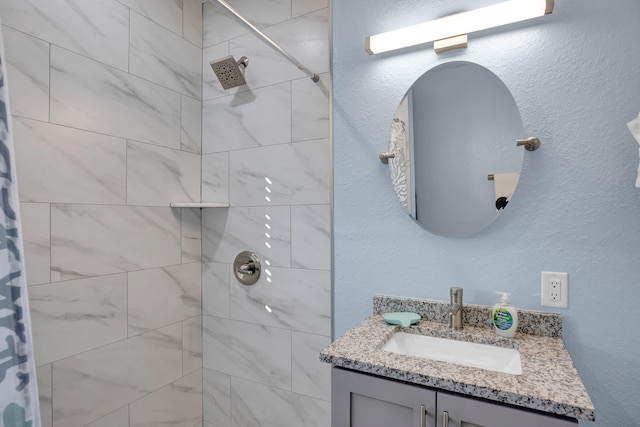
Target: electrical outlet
554 289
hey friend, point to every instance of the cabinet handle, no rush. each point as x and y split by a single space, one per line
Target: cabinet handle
423 416
445 419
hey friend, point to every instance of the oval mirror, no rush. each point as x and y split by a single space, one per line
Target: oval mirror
456 164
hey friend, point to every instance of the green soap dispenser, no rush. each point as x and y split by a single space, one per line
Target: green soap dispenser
504 317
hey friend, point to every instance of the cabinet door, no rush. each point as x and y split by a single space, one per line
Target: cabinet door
360 400
467 412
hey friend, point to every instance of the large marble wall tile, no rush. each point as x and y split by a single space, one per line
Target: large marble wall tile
306 38
91 240
157 176
217 398
286 298
258 405
163 296
215 289
220 25
71 317
165 58
249 351
64 165
299 174
119 418
192 21
310 109
178 404
28 73
311 377
191 235
302 7
247 119
211 87
36 230
215 177
167 13
191 345
311 237
97 29
90 385
263 230
191 125
88 95
43 374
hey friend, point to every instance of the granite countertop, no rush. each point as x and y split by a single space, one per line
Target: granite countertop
549 381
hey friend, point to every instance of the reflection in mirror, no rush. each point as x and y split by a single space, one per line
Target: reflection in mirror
456 164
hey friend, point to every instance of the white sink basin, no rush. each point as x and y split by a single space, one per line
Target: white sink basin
482 356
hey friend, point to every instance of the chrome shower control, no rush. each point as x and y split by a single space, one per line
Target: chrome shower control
246 268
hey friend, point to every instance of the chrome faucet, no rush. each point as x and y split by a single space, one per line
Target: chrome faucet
455 309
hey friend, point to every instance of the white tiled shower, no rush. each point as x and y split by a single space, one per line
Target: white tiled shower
116 113
266 152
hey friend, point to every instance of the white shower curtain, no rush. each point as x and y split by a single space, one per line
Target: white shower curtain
18 388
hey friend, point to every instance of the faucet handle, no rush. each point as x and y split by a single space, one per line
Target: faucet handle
455 309
455 291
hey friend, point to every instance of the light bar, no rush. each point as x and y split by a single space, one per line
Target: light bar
459 24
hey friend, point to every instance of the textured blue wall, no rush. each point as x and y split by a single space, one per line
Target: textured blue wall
575 76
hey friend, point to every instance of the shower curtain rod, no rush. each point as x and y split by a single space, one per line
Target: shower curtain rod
313 76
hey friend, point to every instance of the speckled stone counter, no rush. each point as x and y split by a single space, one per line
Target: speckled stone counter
549 381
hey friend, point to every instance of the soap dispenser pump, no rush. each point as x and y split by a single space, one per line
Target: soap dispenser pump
504 317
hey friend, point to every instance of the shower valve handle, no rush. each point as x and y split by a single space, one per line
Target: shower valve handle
248 268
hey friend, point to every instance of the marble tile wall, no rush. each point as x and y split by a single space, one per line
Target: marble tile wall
106 97
265 149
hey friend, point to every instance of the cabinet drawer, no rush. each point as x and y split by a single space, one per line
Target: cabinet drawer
469 412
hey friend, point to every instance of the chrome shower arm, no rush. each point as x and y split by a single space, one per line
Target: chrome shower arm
313 76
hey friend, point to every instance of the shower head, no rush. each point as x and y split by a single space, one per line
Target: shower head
229 71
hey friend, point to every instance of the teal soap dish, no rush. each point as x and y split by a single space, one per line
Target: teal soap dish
401 318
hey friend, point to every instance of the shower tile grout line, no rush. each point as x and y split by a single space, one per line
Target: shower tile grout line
126 72
124 138
266 385
115 273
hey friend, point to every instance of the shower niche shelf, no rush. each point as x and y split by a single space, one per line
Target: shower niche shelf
199 205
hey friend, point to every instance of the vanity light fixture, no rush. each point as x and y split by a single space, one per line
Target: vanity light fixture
451 31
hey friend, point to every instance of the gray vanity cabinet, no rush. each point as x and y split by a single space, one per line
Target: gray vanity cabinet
361 400
468 412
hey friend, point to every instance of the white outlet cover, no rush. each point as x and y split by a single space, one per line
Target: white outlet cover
545 288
